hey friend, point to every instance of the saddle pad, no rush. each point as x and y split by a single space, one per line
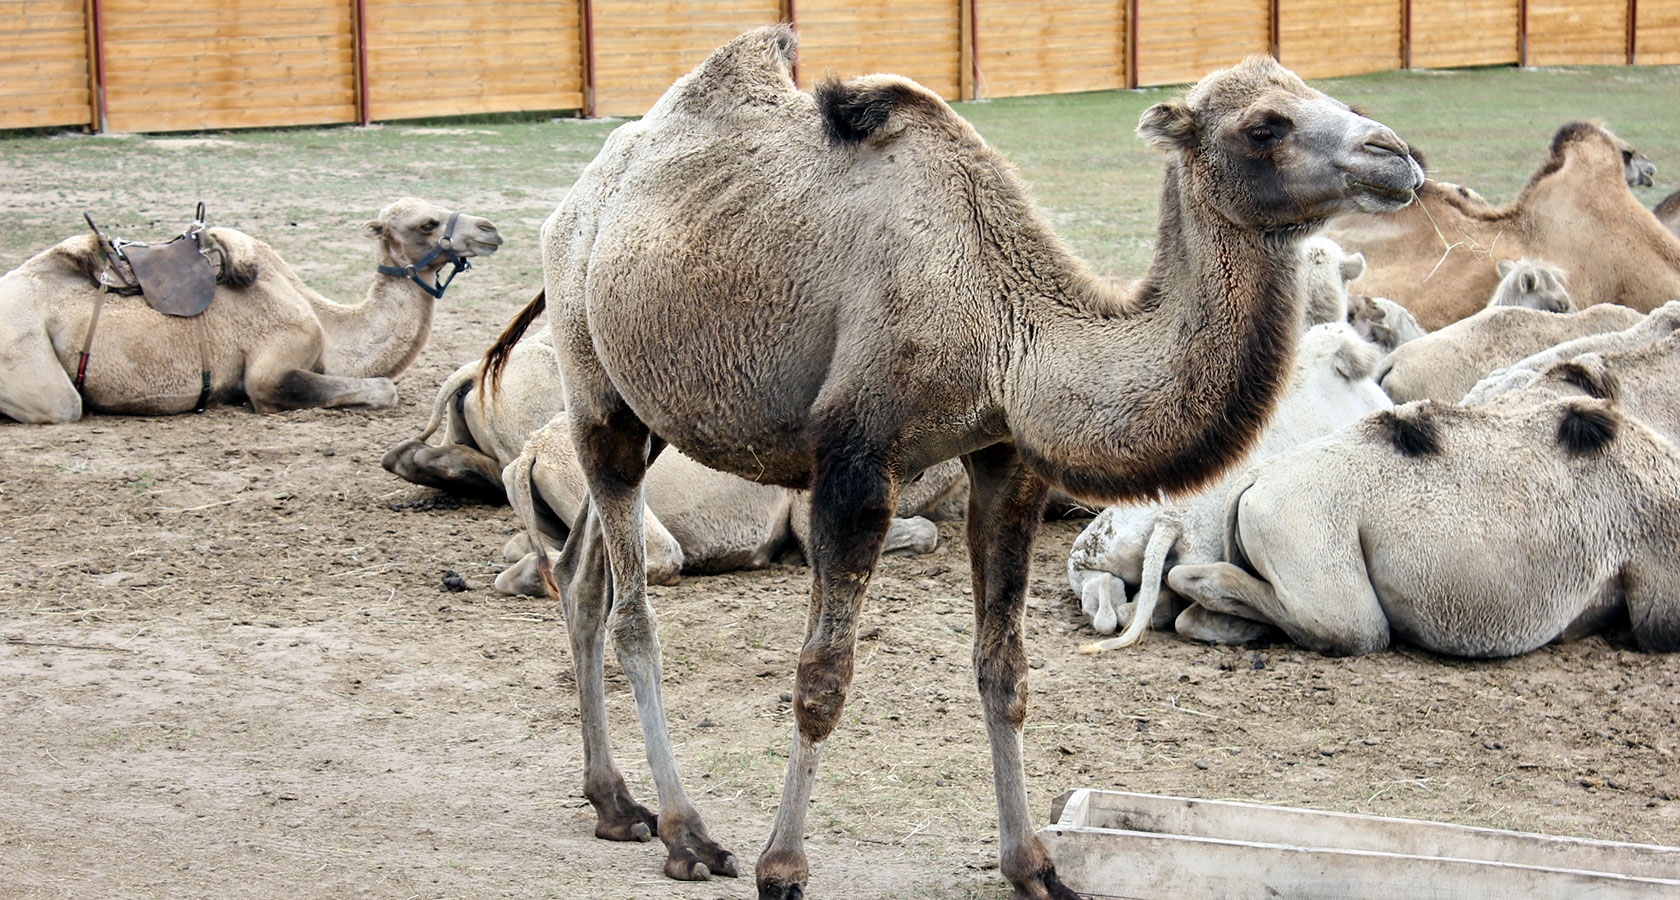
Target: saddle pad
175 278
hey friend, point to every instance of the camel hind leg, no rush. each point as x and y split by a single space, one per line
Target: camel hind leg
614 449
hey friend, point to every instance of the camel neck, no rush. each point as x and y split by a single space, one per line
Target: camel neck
380 336
1171 389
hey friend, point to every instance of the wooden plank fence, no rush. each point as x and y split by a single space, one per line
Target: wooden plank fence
169 65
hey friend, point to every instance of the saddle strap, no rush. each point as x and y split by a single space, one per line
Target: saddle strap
203 363
87 341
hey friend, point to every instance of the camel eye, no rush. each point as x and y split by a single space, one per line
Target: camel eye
1264 135
429 227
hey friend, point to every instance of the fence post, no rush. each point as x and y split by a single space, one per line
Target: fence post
586 13
968 53
1522 33
1274 29
1129 53
95 13
1632 31
790 15
359 47
1406 34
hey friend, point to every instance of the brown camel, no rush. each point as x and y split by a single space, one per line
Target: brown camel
1575 213
1668 212
844 289
269 337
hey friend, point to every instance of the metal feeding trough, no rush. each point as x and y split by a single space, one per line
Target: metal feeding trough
1109 844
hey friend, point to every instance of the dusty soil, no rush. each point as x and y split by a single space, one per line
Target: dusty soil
229 667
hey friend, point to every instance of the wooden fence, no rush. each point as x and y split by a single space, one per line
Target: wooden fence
166 65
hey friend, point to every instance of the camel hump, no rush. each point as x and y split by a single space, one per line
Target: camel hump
873 107
754 62
1590 373
240 255
1413 430
1587 427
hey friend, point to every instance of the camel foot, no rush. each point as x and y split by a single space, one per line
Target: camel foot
692 854
782 874
619 818
1045 886
780 890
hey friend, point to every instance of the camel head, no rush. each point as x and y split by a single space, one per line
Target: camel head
1531 284
1600 152
1270 152
410 229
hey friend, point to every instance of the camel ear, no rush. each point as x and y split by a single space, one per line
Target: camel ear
1353 267
1168 126
1504 267
373 229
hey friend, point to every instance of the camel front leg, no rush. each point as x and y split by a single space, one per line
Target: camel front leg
615 450
851 505
1005 505
302 389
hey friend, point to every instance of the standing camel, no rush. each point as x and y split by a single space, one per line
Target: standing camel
1438 258
844 289
267 336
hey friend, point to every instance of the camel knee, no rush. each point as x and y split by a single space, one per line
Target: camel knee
819 693
53 407
1002 681
1201 624
522 578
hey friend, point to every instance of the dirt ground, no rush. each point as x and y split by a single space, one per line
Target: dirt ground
229 667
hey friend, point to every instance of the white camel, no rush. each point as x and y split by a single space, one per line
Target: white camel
1524 282
266 336
1382 322
1658 324
1462 531
1128 546
1326 270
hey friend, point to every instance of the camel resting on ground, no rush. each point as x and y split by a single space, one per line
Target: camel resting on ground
1443 365
1382 322
269 337
1668 212
1524 282
1462 531
1576 212
699 520
1325 272
1128 546
845 289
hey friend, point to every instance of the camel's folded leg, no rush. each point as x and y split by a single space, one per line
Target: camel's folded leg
33 385
1005 505
1199 623
300 389
613 451
911 537
451 467
1341 618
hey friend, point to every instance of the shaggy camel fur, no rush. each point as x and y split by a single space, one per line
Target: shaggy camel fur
1576 212
1325 273
1382 321
1668 212
1443 365
1128 546
1462 531
699 520
844 289
1526 283
271 338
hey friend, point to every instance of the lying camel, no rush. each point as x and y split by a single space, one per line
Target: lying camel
699 520
268 336
1325 272
1382 322
1668 212
1443 365
1524 282
1437 258
783 257
1462 531
1128 546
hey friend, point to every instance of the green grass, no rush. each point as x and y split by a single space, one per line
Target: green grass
1486 128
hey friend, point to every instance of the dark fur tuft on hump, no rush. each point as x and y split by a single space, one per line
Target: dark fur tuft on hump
1586 429
1571 131
852 113
1600 385
1413 432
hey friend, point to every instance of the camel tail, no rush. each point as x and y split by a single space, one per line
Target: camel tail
1166 532
451 391
496 358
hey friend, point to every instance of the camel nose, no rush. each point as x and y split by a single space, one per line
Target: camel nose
1386 143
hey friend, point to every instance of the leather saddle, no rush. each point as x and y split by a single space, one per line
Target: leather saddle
176 278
